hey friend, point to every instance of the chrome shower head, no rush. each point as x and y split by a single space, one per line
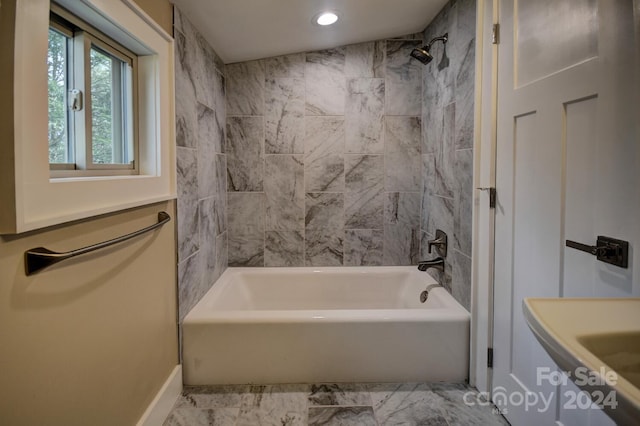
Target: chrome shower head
422 53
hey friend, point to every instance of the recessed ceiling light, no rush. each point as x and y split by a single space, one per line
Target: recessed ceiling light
326 18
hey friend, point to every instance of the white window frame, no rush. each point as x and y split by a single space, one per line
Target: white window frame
30 199
84 37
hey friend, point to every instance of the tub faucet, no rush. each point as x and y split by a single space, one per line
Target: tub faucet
437 263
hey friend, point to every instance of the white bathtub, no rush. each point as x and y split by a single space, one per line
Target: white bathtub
314 325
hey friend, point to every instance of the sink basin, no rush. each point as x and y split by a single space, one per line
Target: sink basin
620 351
598 336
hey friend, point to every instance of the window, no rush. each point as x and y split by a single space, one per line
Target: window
91 100
44 184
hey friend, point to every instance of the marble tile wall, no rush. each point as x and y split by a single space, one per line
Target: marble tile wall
324 157
447 142
202 163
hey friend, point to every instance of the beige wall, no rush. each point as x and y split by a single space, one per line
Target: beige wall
89 341
161 11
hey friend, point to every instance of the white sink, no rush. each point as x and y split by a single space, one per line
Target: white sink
601 335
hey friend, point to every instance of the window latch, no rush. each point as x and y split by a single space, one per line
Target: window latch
75 100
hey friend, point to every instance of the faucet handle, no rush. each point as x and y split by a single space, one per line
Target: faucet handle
440 242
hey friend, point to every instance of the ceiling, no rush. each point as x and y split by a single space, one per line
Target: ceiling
241 30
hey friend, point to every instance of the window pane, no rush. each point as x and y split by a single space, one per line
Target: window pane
110 106
58 119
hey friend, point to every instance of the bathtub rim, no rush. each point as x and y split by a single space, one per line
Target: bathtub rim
451 310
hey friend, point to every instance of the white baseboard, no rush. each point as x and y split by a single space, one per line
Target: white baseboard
164 401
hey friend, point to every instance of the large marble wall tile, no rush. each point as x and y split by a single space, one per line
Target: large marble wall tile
246 250
364 197
291 66
464 98
187 177
210 129
403 86
324 211
360 60
222 254
324 236
200 59
402 159
246 212
324 154
189 284
246 229
284 116
428 185
324 247
432 126
245 153
221 174
284 248
245 88
445 155
207 230
466 21
461 279
220 98
402 207
186 111
284 192
428 173
439 215
401 228
363 247
364 116
325 82
424 218
220 203
379 59
220 66
213 61
463 201
205 66
206 152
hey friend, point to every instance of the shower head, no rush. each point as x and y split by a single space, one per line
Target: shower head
422 53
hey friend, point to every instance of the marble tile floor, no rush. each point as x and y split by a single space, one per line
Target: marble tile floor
332 404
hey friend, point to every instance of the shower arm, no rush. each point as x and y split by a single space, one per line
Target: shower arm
443 39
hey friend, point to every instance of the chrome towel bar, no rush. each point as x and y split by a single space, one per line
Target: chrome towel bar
39 258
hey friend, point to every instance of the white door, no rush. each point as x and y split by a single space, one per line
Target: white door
567 168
